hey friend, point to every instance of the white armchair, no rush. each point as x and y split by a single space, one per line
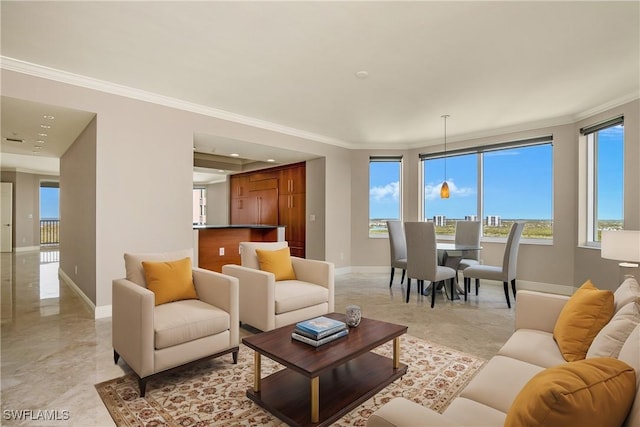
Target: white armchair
266 304
154 338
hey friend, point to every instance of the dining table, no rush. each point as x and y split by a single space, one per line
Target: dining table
450 254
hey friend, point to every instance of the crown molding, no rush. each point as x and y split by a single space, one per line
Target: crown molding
607 106
36 70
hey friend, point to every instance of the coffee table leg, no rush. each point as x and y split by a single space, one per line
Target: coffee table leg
315 399
396 352
257 371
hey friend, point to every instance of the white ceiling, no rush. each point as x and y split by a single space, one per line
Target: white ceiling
493 66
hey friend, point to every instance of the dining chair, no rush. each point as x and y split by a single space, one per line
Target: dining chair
506 272
468 233
397 248
422 258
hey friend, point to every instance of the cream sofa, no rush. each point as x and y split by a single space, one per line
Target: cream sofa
487 398
267 304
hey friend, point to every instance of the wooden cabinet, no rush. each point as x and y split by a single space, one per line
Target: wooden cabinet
291 208
274 196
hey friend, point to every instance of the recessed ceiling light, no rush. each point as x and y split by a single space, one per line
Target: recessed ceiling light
48 117
221 170
40 141
42 134
270 160
45 126
362 74
234 155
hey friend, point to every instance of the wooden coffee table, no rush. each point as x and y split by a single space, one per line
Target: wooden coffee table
320 385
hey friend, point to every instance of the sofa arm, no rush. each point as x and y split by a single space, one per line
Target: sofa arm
222 291
538 310
402 412
132 325
256 296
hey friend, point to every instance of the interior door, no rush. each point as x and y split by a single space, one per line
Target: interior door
6 217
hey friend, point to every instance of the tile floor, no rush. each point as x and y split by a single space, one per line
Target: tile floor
53 351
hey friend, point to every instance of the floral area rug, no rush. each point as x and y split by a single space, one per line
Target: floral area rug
212 393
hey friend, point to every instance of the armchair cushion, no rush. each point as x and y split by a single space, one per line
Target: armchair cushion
277 262
170 280
183 321
581 318
292 295
133 263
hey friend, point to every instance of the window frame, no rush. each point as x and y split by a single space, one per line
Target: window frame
592 145
480 151
390 159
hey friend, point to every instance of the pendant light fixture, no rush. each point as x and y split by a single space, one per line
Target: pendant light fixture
444 189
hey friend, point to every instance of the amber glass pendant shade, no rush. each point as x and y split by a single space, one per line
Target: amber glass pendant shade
444 190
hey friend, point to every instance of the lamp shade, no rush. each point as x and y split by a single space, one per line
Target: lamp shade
621 245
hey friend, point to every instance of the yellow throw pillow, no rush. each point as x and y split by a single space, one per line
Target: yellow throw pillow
580 320
170 280
277 262
592 392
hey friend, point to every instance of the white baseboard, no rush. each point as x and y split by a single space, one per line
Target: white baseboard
98 312
521 284
26 248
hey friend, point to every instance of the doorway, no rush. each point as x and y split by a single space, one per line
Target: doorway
6 217
49 213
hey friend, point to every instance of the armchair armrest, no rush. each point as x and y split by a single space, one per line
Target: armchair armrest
256 295
132 325
538 310
222 291
316 272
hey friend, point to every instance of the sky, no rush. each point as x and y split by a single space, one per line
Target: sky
49 203
518 183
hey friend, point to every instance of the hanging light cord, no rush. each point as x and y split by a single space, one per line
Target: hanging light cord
445 145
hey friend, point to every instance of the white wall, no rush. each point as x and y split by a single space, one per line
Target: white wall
143 174
564 263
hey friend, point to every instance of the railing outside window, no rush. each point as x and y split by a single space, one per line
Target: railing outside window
49 232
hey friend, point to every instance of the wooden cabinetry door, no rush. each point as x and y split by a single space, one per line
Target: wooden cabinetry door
292 216
266 206
243 211
292 180
239 186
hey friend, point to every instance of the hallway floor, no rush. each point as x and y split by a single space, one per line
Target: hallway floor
53 351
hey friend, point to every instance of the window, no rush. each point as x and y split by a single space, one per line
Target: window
384 193
199 205
605 177
462 178
499 184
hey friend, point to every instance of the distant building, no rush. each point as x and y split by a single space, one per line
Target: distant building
440 220
471 217
494 220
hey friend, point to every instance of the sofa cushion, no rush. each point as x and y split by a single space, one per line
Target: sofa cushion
580 320
182 321
133 263
294 294
591 392
630 354
468 412
628 291
277 262
533 346
499 382
612 337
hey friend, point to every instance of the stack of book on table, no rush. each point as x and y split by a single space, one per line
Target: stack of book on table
319 330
